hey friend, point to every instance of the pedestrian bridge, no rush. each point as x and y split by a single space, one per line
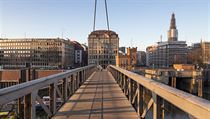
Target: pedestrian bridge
113 93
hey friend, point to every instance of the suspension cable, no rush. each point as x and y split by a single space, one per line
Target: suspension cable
107 16
94 24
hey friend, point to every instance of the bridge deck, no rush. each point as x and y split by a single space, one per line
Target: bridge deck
99 97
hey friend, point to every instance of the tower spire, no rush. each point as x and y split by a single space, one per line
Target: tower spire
173 32
173 22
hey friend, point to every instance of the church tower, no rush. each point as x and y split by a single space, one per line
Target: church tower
173 32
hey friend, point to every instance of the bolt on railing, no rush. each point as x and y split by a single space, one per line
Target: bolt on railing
136 86
62 85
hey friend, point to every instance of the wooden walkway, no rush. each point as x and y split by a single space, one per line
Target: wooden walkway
99 97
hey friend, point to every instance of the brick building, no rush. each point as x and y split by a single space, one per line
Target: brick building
127 60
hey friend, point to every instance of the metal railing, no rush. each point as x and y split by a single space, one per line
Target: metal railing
134 86
62 85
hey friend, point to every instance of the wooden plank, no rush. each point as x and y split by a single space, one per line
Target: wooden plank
99 97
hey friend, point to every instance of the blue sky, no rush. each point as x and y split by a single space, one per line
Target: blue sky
139 23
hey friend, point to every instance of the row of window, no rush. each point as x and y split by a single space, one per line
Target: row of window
29 43
14 48
22 51
101 57
12 44
14 64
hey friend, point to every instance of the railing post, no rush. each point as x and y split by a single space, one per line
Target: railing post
130 89
140 100
33 103
74 83
52 98
65 89
82 76
78 79
117 76
157 111
85 75
27 106
68 86
88 72
20 105
122 81
114 73
126 85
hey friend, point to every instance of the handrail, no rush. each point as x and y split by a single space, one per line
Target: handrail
71 79
39 81
193 105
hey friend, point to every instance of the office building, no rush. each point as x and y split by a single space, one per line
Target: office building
102 47
168 52
151 52
38 52
141 58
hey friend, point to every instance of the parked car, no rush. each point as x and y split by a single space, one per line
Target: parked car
46 101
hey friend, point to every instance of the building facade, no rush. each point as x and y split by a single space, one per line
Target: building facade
127 60
102 47
122 60
170 52
199 53
206 52
151 52
38 52
141 58
85 55
81 52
